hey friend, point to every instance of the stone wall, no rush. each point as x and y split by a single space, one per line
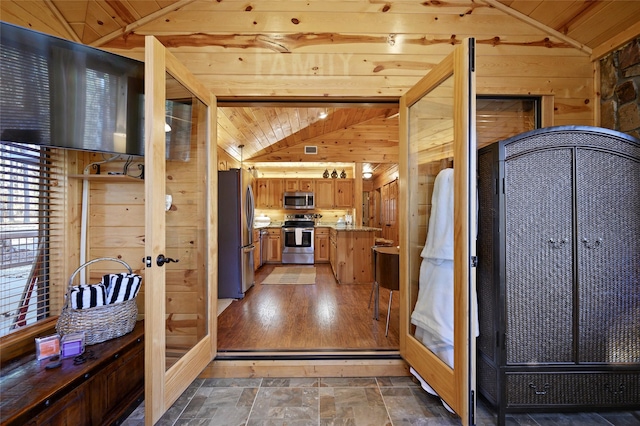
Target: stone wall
620 89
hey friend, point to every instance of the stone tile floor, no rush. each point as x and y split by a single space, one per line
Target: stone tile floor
372 401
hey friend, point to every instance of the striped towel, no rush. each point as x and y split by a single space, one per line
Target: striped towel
87 296
121 287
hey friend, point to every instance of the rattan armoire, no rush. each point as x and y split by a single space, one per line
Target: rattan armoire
558 275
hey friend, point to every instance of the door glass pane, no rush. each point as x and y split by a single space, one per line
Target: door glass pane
186 171
431 136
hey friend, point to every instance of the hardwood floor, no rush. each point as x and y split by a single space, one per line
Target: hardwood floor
321 316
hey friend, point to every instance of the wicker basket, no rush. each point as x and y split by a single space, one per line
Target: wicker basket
100 323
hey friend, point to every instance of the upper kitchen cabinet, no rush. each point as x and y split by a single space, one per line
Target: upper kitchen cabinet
329 193
332 194
299 185
269 193
324 194
343 193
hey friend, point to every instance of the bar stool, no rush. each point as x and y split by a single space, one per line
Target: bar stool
386 272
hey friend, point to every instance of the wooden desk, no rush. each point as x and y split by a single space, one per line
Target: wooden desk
100 391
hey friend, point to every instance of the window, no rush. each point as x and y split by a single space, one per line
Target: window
500 117
25 223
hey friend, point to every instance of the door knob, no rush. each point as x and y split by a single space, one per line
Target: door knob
161 260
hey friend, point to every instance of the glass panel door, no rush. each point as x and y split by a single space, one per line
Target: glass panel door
186 244
437 164
180 234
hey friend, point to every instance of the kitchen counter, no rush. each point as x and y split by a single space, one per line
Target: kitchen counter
350 253
346 228
325 225
271 225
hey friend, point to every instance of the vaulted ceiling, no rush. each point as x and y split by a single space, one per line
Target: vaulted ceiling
97 23
212 37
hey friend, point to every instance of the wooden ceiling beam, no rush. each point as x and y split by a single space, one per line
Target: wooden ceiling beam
536 24
614 43
140 22
72 34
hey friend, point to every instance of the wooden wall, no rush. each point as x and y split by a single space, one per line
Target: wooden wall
323 50
226 162
565 75
115 220
116 229
357 50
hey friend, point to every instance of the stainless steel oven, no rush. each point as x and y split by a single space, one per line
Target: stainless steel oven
297 239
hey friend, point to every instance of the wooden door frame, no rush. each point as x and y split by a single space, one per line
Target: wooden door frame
428 365
163 387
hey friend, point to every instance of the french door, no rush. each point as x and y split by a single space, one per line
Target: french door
180 232
437 131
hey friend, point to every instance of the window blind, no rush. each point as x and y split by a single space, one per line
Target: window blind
25 223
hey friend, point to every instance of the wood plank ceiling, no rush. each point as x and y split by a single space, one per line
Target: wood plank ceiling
277 132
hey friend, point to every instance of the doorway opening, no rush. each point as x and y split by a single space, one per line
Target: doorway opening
327 318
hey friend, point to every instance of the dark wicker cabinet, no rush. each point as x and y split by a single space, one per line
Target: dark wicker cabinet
558 273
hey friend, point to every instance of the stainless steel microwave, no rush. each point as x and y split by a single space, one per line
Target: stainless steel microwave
298 200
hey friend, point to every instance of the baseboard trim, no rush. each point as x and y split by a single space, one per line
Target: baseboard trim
318 354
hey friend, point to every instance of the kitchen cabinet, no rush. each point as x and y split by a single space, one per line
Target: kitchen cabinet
256 252
299 185
274 245
333 250
329 193
324 194
269 193
306 185
262 193
101 391
350 255
343 194
321 250
334 193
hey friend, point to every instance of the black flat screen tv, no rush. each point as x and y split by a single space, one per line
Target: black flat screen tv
58 93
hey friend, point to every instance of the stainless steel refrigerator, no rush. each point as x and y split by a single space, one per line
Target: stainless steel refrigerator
235 233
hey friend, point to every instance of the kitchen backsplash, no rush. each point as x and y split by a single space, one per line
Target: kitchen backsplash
328 216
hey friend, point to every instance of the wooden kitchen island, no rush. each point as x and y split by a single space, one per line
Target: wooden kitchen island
350 253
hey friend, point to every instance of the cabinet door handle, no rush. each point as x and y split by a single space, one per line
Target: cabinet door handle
557 244
613 390
593 244
541 391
